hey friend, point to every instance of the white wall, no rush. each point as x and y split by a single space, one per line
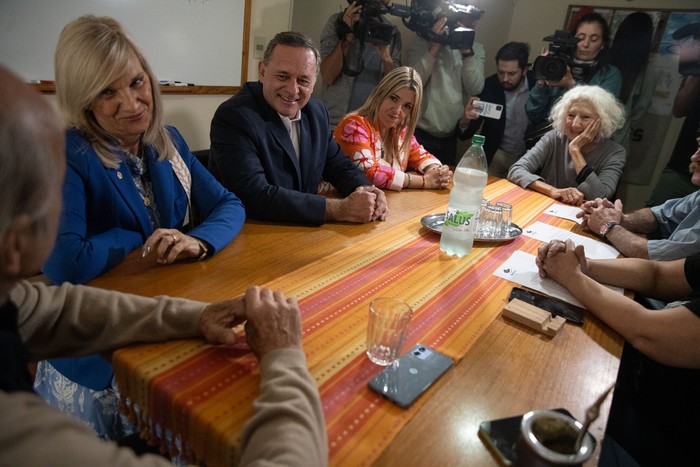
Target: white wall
192 114
504 20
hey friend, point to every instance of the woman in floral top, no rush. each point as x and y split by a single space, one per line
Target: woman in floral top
379 139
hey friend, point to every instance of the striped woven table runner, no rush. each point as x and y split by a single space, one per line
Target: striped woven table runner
204 393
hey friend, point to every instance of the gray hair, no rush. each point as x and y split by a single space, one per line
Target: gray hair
92 53
606 106
31 139
292 39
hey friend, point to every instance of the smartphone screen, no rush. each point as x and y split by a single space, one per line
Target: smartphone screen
411 375
500 436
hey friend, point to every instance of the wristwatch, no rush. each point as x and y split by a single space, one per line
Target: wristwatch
605 228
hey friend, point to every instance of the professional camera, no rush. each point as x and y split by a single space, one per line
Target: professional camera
688 37
369 28
562 47
424 14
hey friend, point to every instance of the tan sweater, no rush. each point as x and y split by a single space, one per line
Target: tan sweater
287 426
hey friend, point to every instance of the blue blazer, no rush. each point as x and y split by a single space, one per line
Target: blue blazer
252 155
104 218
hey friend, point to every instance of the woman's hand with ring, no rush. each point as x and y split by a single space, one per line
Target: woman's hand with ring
171 245
437 176
568 195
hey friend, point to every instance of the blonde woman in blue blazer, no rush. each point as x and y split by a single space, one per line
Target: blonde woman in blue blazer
131 183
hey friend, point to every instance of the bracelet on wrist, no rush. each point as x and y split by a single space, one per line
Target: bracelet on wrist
204 248
422 187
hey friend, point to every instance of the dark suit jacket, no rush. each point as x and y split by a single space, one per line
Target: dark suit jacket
492 129
252 155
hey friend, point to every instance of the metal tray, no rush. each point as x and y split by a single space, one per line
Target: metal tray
434 222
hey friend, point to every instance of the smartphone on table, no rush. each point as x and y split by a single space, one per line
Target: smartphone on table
411 375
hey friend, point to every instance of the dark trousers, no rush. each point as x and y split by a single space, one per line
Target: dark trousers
442 147
655 411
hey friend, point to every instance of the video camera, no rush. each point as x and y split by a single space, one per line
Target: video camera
424 14
562 47
369 28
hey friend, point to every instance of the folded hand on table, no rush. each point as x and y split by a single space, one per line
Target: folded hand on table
365 204
272 321
598 212
569 195
171 245
560 260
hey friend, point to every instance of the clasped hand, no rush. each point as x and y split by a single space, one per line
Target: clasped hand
366 203
272 321
171 245
560 260
437 176
599 211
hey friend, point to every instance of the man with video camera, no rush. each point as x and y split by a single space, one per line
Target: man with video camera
451 66
358 47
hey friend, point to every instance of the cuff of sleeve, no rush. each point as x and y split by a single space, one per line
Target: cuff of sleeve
290 357
583 174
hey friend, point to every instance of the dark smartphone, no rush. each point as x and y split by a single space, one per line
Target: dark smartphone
409 377
500 436
556 307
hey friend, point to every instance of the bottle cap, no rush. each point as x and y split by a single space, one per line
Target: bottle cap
478 139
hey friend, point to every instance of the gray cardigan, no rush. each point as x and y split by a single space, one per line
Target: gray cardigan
549 160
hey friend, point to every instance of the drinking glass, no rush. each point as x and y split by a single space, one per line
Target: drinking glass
506 218
386 329
491 226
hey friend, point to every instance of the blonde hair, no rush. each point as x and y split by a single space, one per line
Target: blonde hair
398 78
92 53
608 108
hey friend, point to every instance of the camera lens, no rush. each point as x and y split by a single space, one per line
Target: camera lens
549 68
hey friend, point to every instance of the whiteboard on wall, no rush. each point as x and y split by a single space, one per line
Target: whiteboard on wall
192 41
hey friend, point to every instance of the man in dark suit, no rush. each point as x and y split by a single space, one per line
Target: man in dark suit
271 145
509 88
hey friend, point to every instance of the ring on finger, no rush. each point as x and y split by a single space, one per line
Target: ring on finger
174 238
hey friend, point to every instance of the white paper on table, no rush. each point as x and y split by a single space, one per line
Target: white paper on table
594 249
522 269
564 211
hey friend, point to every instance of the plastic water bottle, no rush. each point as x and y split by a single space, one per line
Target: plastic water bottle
465 200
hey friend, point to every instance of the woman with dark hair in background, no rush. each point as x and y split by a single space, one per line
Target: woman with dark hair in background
629 53
588 67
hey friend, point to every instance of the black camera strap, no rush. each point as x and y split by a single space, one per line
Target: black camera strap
341 28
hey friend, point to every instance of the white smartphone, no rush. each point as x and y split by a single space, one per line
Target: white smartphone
409 377
488 109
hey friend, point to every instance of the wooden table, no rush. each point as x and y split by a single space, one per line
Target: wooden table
508 371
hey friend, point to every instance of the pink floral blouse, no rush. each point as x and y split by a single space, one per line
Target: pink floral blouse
361 142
